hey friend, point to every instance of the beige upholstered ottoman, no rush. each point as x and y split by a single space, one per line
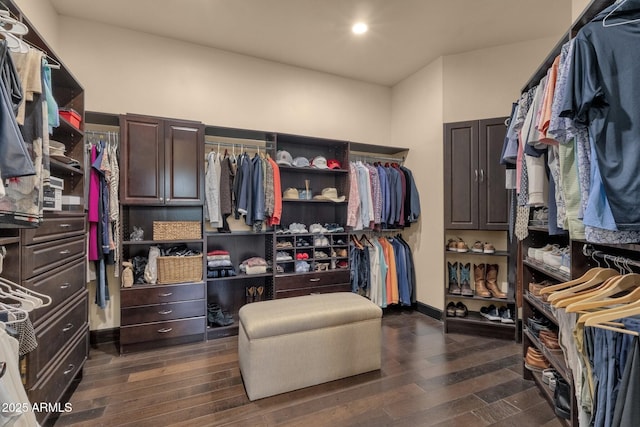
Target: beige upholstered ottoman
291 343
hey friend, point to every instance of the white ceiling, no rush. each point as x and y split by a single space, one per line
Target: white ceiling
404 35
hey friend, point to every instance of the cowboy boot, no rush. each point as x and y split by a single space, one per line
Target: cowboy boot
478 280
492 282
454 285
465 272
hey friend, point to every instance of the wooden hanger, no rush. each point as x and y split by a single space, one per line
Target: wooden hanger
567 299
586 306
356 242
604 318
595 280
627 282
586 276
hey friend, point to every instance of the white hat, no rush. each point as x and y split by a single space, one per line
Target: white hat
283 158
291 193
331 194
301 162
319 162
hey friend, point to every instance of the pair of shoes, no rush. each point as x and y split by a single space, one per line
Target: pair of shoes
321 266
457 310
254 293
342 264
457 245
490 313
535 288
461 285
284 244
283 256
486 247
537 324
317 228
301 243
320 241
320 254
486 281
302 267
334 228
302 255
215 316
342 253
549 375
295 227
535 361
549 339
451 309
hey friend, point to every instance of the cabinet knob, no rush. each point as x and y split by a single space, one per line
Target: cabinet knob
165 312
65 285
168 199
68 327
65 252
481 175
165 294
162 199
314 279
65 225
70 369
476 173
165 330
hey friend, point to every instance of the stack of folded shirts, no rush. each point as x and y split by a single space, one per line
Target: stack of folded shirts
219 264
254 265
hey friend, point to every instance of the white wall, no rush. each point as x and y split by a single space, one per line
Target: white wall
577 7
483 83
42 16
126 71
416 123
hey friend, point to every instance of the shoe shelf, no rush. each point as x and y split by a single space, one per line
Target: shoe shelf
496 253
475 324
240 276
555 358
542 228
544 388
159 242
554 273
541 306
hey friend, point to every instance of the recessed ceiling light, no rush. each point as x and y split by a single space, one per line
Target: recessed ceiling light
359 28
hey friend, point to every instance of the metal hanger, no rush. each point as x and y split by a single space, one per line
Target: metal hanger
615 24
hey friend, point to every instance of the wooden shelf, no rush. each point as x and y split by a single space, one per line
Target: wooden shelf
306 170
541 306
549 271
449 296
241 276
496 253
57 165
476 319
555 358
159 242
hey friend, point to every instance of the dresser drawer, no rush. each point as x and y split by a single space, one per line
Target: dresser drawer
54 228
53 335
42 257
59 284
312 280
56 380
159 294
161 330
162 312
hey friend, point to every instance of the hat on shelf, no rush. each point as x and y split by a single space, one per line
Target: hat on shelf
283 158
291 193
329 193
333 164
319 162
301 162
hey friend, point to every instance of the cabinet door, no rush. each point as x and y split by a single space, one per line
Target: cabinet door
461 175
494 206
142 165
184 163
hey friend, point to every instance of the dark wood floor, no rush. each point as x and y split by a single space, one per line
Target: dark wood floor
427 378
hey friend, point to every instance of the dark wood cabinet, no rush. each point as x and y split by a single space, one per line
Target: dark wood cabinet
474 181
161 161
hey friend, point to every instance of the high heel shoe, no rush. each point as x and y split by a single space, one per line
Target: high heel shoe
251 292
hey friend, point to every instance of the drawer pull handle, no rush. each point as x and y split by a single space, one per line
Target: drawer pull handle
65 285
165 330
165 294
165 312
70 369
315 279
65 225
65 252
68 327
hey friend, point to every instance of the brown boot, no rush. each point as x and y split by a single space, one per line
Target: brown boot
492 282
478 280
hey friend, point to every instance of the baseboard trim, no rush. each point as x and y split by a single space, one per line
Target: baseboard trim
429 311
103 336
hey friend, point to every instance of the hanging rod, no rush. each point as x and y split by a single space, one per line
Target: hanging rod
377 158
620 262
237 145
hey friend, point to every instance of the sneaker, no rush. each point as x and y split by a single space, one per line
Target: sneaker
505 315
461 310
283 256
452 245
302 267
317 228
477 247
547 374
565 263
488 248
539 253
553 258
535 361
462 246
451 309
490 313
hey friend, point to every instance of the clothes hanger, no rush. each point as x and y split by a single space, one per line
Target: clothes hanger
10 24
604 318
30 305
13 310
590 294
585 306
14 287
588 275
356 242
615 24
596 280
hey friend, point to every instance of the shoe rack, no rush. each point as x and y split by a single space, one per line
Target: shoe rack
476 299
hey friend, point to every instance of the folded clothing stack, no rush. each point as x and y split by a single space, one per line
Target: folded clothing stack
219 264
254 265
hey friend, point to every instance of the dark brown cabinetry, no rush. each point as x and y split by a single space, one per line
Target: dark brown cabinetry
475 197
162 160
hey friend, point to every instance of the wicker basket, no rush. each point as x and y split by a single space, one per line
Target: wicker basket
177 230
179 269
